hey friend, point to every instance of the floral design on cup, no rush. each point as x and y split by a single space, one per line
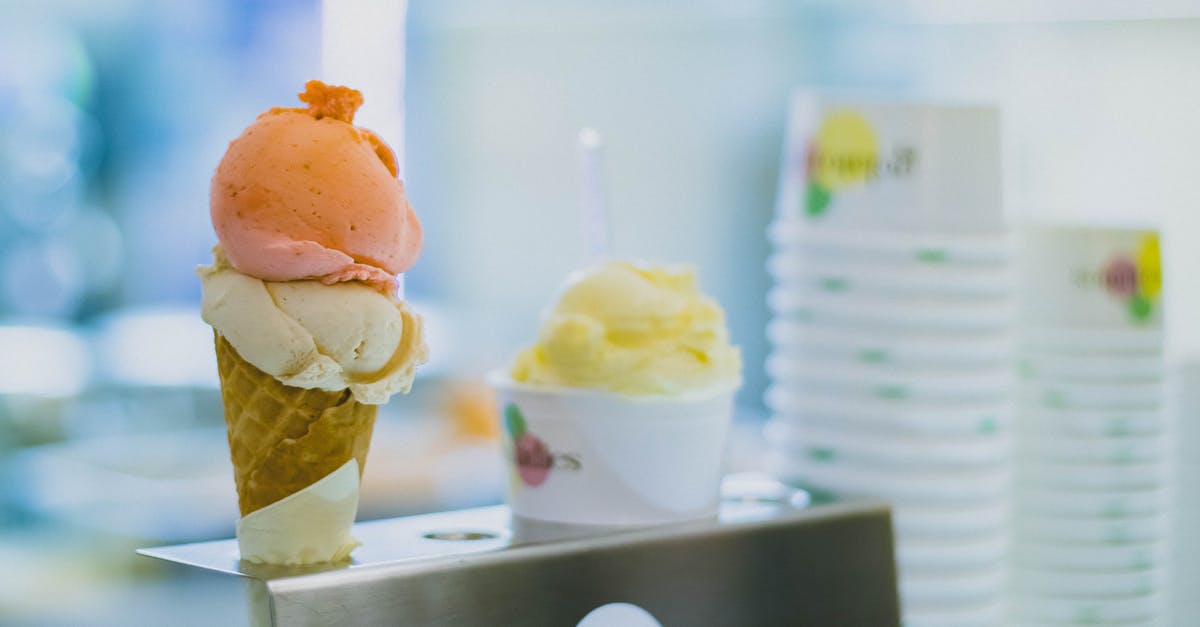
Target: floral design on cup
1136 279
532 459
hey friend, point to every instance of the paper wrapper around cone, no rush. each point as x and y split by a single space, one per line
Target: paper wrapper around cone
283 439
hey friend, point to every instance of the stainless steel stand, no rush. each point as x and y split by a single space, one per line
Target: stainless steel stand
763 561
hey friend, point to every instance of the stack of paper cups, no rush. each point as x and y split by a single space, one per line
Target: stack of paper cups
1091 505
891 363
1185 542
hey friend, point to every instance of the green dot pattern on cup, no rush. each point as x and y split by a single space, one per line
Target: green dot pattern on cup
802 315
1119 535
1026 369
822 453
1115 509
932 255
1142 560
1055 399
874 356
834 284
1118 426
1124 455
1087 615
892 392
987 425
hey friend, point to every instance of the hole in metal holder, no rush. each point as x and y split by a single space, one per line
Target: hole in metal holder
459 536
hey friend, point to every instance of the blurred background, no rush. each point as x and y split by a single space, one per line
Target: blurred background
113 115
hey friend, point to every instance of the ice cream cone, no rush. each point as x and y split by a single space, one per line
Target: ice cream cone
282 438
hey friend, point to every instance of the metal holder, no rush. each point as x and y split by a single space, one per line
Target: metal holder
768 559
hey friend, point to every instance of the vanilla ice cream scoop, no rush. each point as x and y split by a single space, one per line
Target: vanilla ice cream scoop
310 335
634 330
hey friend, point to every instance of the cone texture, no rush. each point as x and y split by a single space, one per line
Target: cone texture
282 438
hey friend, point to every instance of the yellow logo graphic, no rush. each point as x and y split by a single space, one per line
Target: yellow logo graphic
844 153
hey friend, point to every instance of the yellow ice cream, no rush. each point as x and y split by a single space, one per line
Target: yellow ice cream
310 335
633 330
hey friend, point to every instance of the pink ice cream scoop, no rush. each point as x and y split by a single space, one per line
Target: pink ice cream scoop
305 194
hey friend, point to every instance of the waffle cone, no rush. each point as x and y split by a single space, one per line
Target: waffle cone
282 438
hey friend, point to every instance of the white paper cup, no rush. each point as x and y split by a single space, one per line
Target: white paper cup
950 522
1070 395
1056 556
1058 610
859 312
927 249
1099 450
596 458
888 416
809 377
1087 585
1090 276
1081 341
890 280
1093 368
910 488
883 349
1083 530
1090 477
962 589
1097 504
1091 423
947 556
902 452
922 615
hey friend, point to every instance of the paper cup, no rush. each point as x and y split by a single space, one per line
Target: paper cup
909 488
947 556
586 457
1082 530
901 452
877 313
1091 423
1091 277
1101 450
1055 556
813 378
882 349
922 615
1083 341
1086 611
1094 368
1090 477
950 522
962 589
927 249
1119 396
888 416
904 281
1087 585
1097 504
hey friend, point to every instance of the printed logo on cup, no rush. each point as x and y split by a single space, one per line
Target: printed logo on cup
845 153
532 458
1135 279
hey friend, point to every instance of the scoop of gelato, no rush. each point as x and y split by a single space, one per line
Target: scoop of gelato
305 194
632 330
310 335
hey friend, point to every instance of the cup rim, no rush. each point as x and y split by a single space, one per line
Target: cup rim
500 379
980 244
